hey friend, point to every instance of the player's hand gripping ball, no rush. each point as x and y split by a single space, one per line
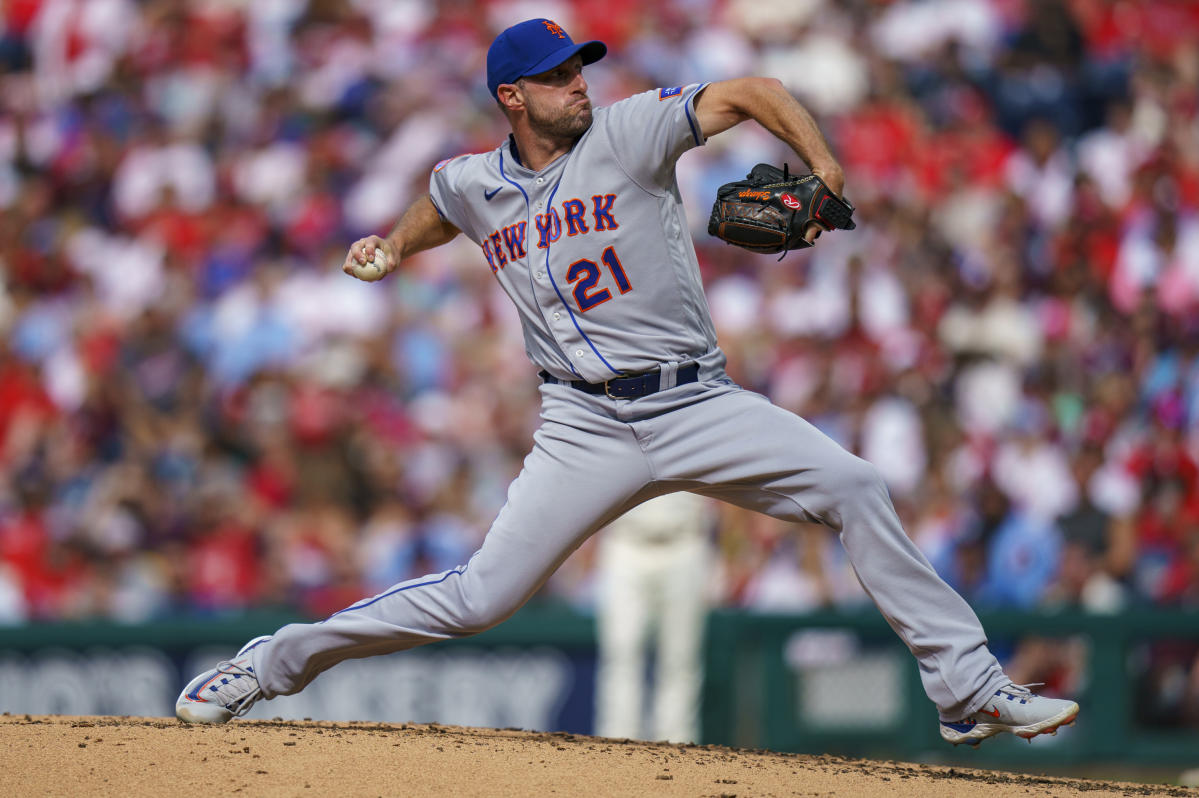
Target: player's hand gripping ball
374 269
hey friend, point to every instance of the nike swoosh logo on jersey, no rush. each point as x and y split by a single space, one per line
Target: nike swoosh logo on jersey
487 195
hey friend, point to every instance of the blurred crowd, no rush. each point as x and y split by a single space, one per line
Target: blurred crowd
200 413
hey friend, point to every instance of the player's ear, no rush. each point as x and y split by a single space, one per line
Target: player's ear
510 96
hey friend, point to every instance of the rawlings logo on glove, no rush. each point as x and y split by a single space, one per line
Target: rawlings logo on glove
769 211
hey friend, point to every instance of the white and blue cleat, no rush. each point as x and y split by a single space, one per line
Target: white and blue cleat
1014 709
224 692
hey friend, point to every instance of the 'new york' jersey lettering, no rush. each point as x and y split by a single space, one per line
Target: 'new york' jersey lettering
549 228
573 210
610 283
514 239
603 211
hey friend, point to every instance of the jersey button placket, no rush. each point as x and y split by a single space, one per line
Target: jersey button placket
543 292
547 297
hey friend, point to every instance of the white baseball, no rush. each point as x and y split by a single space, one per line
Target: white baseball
372 270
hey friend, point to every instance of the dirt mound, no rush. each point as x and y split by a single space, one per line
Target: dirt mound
71 756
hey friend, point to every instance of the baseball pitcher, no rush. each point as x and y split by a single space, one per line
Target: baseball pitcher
578 217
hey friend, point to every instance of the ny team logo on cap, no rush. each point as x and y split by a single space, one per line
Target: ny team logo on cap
532 47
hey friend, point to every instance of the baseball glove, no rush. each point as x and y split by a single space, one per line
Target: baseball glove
769 210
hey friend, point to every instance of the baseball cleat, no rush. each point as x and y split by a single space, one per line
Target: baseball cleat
1014 709
224 692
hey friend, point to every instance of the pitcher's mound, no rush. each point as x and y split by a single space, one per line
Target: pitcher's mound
72 756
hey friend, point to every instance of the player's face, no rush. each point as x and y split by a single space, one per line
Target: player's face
556 100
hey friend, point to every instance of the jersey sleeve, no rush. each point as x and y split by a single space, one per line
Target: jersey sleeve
447 196
649 131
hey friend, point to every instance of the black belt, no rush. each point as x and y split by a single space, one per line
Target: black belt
629 387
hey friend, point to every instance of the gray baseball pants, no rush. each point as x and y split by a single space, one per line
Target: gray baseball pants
593 459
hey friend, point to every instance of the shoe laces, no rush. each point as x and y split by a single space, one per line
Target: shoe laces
234 672
1020 691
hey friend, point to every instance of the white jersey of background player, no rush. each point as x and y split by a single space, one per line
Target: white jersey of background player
578 215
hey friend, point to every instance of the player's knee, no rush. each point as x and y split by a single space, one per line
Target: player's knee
854 479
481 614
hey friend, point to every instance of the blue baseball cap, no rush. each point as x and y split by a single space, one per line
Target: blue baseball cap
532 47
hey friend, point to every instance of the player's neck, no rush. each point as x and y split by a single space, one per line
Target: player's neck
536 151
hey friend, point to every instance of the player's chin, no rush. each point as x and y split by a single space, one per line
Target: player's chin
582 118
568 125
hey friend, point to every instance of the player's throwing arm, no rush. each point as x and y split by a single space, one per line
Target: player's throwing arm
420 228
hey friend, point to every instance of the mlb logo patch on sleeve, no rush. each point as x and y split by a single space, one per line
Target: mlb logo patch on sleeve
665 93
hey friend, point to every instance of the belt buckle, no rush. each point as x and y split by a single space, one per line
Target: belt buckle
608 383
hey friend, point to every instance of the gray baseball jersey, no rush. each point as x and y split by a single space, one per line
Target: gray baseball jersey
594 249
595 254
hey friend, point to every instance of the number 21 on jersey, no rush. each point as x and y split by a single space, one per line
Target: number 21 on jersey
585 274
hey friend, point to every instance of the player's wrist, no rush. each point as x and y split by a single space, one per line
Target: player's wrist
393 248
832 174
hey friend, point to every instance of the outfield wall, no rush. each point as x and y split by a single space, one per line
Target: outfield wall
827 682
